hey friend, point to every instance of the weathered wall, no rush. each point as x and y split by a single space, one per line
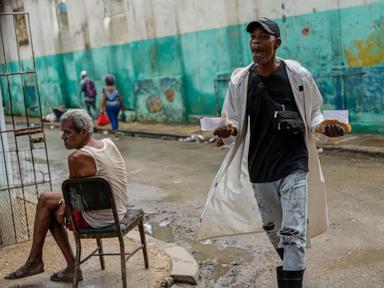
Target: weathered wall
198 43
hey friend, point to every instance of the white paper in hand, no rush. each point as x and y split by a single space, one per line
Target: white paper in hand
341 115
212 123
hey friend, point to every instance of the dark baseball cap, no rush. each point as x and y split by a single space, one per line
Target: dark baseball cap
267 24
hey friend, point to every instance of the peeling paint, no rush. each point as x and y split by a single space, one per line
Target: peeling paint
370 52
154 104
305 31
170 94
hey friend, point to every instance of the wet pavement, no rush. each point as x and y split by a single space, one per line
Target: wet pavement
170 181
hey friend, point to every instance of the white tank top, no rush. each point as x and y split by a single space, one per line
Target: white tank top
109 164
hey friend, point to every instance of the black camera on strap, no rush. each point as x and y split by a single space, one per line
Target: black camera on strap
288 122
284 121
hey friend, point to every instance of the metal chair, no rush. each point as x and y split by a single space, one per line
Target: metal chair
94 193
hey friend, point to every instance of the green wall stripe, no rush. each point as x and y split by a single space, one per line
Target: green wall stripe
343 49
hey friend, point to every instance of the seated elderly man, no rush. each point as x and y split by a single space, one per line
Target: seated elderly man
92 158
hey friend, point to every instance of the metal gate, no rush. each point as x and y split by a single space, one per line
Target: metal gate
24 167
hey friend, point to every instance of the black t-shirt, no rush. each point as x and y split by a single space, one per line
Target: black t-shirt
272 156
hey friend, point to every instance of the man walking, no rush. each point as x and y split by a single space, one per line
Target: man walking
88 89
274 105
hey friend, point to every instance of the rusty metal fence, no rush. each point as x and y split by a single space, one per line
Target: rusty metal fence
24 166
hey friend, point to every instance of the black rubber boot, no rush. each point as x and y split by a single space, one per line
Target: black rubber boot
289 279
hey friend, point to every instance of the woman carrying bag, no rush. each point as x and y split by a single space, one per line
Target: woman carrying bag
111 103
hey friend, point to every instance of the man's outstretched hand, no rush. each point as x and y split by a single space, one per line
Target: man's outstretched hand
225 131
333 130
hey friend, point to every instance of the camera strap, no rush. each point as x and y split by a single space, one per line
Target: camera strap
261 90
284 120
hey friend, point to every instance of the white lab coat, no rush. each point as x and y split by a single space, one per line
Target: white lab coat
231 206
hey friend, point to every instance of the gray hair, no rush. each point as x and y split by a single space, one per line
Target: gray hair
79 118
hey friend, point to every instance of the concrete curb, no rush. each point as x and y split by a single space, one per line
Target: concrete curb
184 267
129 132
374 151
334 145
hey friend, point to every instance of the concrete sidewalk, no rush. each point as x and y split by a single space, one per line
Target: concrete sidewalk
365 143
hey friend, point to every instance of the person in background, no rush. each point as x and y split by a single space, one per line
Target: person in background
111 103
88 89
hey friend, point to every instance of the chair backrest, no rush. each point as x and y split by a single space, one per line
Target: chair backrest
89 193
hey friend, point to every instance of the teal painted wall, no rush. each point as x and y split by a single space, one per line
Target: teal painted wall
345 52
342 48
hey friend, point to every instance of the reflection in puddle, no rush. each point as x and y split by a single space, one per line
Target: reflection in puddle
224 259
162 233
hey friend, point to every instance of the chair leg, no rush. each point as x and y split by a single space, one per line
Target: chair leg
144 243
122 257
101 251
75 281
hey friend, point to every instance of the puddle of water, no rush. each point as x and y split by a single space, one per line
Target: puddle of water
162 233
224 258
359 258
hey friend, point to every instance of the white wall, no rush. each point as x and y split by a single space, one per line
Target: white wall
44 27
145 19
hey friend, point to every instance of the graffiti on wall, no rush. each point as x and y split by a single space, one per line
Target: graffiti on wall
370 51
159 99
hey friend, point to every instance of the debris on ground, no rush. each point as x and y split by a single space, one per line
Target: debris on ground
165 222
167 282
199 138
148 228
55 115
51 117
166 138
59 112
212 139
206 242
193 138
